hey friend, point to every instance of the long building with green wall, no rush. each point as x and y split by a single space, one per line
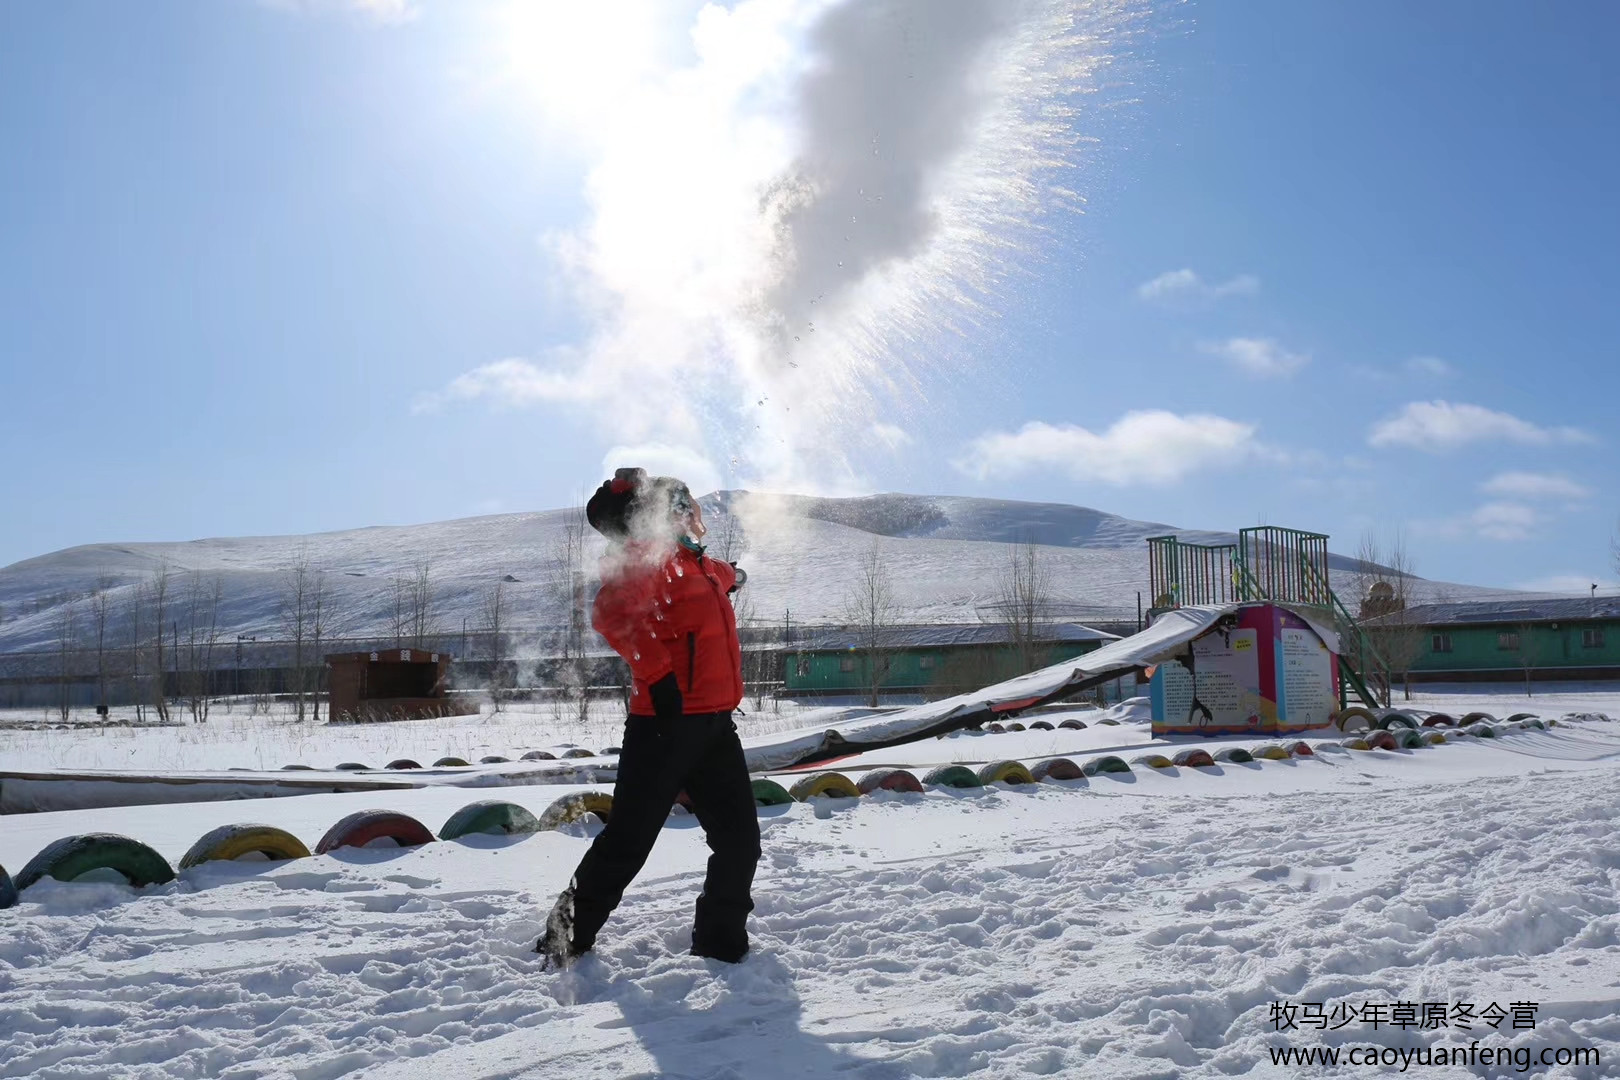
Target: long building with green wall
1538 639
932 661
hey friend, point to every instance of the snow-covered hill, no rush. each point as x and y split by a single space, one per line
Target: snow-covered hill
945 554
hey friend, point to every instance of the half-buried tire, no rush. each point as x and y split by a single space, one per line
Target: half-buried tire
1041 725
1355 742
1235 754
74 856
364 826
1301 748
1056 768
1153 761
450 762
1382 740
1073 725
1353 717
579 751
490 817
1520 716
574 806
8 889
539 755
403 763
493 759
952 776
1192 758
1479 718
1015 726
352 766
1392 720
1005 772
888 780
1106 764
1270 752
770 793
1409 740
1433 738
829 785
1439 719
233 841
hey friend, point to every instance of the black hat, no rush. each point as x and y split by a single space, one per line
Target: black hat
632 492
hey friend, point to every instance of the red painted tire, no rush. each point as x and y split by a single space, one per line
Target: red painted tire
1381 740
364 826
1301 748
1439 720
888 780
1056 768
1193 758
995 729
74 856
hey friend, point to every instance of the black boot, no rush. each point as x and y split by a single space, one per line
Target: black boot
556 944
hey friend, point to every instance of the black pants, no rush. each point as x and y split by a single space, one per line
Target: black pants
703 755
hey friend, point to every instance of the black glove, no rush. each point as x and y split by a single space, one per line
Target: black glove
666 698
742 579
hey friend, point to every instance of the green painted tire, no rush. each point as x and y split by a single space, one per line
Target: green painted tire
363 826
1105 764
233 841
1073 725
1521 716
75 856
298 768
1483 718
1056 768
1108 722
1015 726
1481 731
770 793
574 806
1409 740
1270 752
491 817
1193 758
889 780
403 763
539 755
952 776
1345 716
1005 772
450 762
830 785
1393 720
1153 761
8 889
1234 754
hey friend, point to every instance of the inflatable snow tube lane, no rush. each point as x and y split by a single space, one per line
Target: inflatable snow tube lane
363 826
770 793
74 856
8 889
888 780
1153 761
233 841
952 776
1192 758
490 817
1056 768
829 785
1005 772
574 806
1353 717
1106 764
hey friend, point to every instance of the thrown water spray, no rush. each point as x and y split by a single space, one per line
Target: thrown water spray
790 230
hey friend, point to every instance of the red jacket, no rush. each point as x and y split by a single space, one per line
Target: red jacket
672 614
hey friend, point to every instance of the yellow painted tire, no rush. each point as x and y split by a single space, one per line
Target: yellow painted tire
1006 772
1347 717
573 807
233 841
1153 761
830 785
1355 743
1271 752
1433 738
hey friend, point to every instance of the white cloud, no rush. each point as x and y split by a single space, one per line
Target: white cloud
1567 583
1531 485
1504 521
511 383
891 436
1186 285
1261 357
661 459
1431 366
388 12
1150 447
1439 425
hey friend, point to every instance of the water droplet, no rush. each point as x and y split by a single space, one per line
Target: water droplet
635 656
796 336
840 262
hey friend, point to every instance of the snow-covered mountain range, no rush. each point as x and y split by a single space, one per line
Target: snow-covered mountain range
945 556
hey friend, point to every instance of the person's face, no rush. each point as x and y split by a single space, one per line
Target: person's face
693 520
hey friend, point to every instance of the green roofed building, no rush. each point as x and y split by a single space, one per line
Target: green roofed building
931 661
1560 638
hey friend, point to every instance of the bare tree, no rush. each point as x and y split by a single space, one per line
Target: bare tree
422 624
1386 579
1525 639
568 586
297 585
495 624
1025 603
399 622
196 660
871 611
67 640
100 616
136 599
320 618
157 597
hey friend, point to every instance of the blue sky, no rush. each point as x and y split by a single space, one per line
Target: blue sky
276 268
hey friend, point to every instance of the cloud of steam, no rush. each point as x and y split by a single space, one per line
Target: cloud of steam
789 231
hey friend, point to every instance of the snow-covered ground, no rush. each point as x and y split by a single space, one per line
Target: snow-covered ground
1136 925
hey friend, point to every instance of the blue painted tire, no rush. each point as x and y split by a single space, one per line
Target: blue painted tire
1106 764
952 776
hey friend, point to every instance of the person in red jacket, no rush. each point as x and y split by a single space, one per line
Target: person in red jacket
665 607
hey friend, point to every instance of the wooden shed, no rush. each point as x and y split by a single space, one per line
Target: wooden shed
391 684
